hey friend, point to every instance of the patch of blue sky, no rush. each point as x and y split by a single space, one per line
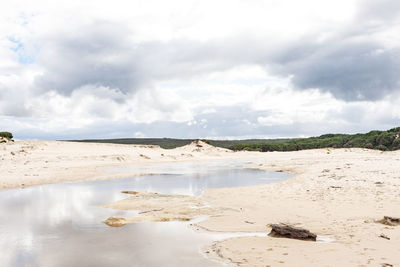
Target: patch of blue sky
24 56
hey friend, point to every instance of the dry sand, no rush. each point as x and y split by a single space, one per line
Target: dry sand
338 194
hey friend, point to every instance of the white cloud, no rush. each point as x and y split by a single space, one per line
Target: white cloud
205 68
277 119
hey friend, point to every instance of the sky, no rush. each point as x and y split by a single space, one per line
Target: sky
220 69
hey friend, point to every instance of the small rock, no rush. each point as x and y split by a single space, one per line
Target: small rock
115 221
335 187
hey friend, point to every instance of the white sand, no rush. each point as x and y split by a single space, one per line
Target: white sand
335 193
25 163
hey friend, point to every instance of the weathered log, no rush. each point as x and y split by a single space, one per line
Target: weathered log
384 236
147 211
286 231
390 221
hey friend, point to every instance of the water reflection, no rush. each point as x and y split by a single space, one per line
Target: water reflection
60 225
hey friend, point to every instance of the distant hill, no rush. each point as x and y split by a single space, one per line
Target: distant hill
169 143
162 142
381 140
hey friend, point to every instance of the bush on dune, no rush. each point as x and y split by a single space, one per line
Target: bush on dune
6 135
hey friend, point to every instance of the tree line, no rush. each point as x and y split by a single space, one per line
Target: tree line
380 140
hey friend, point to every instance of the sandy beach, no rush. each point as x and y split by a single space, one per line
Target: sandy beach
338 194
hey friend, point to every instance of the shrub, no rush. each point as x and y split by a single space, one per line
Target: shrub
381 147
369 146
396 144
7 135
385 139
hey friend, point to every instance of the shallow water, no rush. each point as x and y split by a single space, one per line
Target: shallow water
60 225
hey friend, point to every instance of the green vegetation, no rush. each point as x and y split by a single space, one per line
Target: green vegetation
169 143
381 140
7 135
162 142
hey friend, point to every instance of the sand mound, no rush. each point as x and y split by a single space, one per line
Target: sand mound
200 146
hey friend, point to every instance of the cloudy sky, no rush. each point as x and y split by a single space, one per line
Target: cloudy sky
206 68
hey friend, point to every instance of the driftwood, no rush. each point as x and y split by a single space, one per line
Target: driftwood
130 192
390 221
147 211
384 236
282 230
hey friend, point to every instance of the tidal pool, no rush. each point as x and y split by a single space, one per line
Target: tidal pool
60 225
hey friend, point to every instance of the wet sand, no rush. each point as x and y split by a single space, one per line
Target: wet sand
338 193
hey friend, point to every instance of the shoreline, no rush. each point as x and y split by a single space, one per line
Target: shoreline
333 192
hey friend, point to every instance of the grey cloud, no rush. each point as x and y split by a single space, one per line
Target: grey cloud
350 70
99 54
13 98
351 65
106 54
379 10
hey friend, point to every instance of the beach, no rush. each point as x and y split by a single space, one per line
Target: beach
338 194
